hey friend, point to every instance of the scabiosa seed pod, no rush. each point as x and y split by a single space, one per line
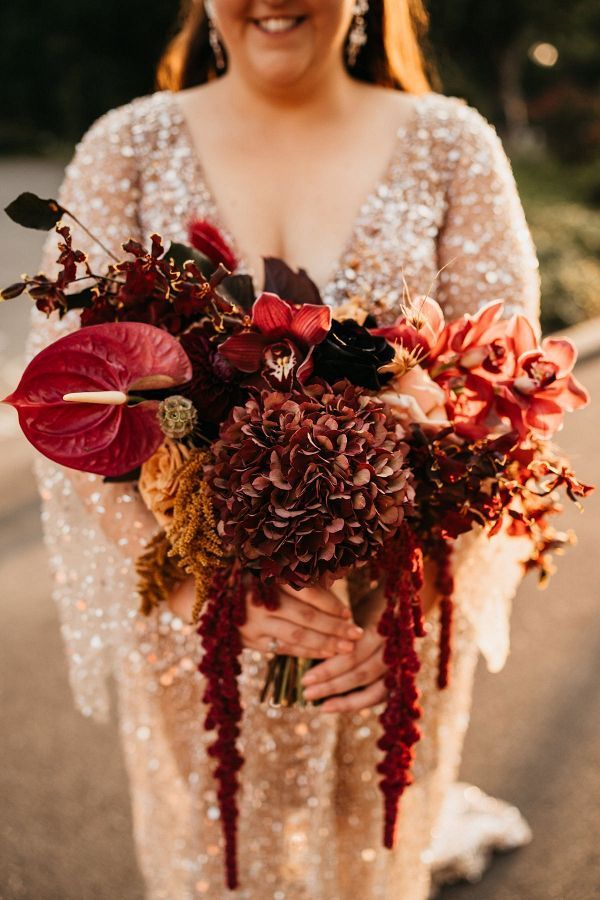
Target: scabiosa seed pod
311 483
177 416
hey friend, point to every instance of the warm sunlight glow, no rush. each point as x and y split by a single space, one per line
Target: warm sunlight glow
544 54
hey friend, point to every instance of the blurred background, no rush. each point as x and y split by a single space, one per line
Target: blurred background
532 67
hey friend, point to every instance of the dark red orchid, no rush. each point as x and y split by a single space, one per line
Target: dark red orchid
281 339
209 241
107 438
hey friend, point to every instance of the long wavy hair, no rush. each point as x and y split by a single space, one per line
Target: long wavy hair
393 55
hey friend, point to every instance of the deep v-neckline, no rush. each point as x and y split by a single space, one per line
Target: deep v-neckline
201 183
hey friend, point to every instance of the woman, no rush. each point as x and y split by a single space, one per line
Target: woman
304 130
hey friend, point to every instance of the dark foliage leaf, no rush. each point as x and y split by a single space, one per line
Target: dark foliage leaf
181 253
81 300
13 290
32 211
127 476
239 289
295 287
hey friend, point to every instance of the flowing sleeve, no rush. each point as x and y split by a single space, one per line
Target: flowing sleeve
486 248
93 531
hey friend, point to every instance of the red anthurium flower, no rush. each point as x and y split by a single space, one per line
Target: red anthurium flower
209 241
419 326
282 335
107 438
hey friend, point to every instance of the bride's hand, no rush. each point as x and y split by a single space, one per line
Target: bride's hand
312 623
363 670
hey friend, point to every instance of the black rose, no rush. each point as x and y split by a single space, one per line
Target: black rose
351 351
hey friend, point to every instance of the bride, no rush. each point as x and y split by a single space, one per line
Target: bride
306 130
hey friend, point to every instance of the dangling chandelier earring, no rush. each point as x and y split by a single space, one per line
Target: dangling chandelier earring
357 36
213 37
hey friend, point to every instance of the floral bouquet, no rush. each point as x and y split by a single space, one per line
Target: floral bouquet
277 444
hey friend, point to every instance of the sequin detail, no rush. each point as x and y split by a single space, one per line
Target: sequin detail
310 823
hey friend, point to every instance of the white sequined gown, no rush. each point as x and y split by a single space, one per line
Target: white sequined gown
310 823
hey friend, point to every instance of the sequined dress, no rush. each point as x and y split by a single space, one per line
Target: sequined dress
310 823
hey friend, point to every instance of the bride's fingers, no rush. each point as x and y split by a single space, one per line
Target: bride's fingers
339 665
363 673
370 696
321 598
290 634
264 644
301 613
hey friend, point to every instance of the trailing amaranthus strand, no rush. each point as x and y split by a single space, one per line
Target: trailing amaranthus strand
444 582
159 570
219 630
224 613
193 530
401 565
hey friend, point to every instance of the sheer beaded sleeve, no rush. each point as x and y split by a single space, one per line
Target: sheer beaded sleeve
484 243
93 531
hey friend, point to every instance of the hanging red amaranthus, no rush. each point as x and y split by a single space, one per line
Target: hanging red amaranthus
224 613
444 582
219 630
401 564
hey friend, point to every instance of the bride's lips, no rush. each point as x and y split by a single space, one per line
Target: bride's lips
277 26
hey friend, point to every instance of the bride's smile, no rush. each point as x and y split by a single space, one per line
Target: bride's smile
278 45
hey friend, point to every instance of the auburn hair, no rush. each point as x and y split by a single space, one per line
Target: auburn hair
393 55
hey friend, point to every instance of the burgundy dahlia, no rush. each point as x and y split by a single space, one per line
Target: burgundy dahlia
214 388
309 484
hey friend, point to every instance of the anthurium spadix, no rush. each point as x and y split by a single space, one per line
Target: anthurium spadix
77 402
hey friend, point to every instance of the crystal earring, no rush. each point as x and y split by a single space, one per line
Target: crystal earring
213 38
357 36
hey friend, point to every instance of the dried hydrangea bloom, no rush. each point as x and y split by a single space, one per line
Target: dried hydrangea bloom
311 483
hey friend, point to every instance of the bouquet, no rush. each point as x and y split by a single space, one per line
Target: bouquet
277 443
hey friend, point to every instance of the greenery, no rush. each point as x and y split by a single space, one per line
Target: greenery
565 224
68 61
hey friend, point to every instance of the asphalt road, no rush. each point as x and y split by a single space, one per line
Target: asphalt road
65 827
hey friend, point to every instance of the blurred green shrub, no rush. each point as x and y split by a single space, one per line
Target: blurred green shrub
561 208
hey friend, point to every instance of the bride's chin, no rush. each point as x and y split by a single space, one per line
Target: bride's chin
280 71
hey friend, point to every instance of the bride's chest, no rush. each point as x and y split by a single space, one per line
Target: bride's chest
353 238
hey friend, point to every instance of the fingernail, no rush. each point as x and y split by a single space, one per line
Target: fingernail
309 693
309 678
355 631
345 646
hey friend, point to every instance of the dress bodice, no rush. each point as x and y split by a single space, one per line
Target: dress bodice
446 201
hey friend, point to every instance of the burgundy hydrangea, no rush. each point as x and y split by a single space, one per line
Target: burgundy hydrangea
311 483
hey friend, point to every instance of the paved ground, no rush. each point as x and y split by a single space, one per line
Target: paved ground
64 815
